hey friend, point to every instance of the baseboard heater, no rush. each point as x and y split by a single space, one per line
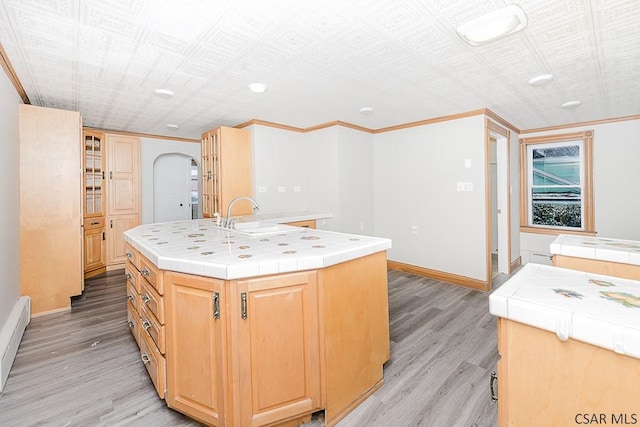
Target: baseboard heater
11 335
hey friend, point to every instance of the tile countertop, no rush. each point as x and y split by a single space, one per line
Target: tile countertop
600 310
198 247
614 250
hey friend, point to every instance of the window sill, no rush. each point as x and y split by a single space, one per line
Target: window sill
554 231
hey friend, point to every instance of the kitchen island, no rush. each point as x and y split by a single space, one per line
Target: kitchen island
569 343
614 257
264 325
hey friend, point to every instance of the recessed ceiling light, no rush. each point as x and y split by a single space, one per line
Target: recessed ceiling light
258 87
540 80
366 111
493 25
171 126
571 104
164 93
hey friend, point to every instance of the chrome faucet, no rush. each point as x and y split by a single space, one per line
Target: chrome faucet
228 223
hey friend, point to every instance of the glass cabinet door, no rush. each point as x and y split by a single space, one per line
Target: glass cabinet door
93 174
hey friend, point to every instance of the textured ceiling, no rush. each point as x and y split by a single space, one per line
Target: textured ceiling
321 60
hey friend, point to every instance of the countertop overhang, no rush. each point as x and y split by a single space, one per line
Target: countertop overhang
199 247
600 310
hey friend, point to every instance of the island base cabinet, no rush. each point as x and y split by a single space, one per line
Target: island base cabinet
275 322
196 333
547 382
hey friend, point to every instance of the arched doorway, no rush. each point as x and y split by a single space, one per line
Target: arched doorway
175 188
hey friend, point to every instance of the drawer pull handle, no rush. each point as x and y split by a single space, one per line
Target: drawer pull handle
494 377
243 304
216 305
146 325
131 324
145 272
95 222
146 299
145 359
129 276
130 297
129 254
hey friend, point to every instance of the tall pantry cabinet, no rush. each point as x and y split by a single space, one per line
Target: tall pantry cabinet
123 194
227 171
51 268
111 198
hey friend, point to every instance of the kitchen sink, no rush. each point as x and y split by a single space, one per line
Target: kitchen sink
258 228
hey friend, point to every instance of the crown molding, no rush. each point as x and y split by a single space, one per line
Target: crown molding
13 77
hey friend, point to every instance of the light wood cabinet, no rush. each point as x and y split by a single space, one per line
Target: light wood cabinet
50 174
305 224
271 353
543 381
93 196
94 246
227 170
196 353
146 315
276 343
123 193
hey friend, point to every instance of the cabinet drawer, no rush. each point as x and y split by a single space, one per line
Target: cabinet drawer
133 320
133 297
155 364
152 301
149 272
91 223
305 224
133 276
132 255
153 328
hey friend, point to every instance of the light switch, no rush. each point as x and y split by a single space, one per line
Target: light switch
281 189
467 163
262 189
296 189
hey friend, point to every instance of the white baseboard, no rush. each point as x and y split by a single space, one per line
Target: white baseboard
11 335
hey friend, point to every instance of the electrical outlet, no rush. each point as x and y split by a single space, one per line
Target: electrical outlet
281 189
297 189
262 189
464 186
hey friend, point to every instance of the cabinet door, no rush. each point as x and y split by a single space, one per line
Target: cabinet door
275 322
93 249
195 328
116 226
123 164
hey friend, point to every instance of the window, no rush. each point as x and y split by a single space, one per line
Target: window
556 184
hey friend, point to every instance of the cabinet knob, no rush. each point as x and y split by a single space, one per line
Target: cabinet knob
146 325
146 298
145 272
131 324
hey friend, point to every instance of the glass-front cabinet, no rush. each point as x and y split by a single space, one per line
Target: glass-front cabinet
94 203
93 174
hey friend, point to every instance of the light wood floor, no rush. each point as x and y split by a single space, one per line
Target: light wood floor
83 368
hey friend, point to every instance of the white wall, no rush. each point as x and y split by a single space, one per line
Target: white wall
416 171
9 199
150 149
333 168
279 160
616 176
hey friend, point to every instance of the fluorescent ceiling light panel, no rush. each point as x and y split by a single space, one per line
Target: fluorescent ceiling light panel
493 25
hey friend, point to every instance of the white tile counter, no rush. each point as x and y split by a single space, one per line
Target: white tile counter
198 247
597 248
600 310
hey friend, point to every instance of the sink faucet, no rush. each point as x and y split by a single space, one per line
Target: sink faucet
227 222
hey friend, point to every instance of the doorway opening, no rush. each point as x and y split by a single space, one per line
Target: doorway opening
498 202
175 188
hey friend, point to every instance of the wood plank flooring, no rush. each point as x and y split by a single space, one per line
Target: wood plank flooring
83 368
